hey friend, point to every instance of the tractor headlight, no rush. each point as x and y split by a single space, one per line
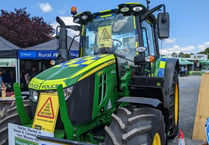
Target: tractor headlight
84 17
67 92
140 49
34 96
76 20
124 9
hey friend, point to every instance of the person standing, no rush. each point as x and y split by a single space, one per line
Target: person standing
185 70
2 85
30 75
182 71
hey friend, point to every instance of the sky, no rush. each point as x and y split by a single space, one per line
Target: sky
189 19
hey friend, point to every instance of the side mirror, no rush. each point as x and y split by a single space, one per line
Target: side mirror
163 25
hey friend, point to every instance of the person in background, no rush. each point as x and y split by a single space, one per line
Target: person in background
182 72
186 70
30 75
2 85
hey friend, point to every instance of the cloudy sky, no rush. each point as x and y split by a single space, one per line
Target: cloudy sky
189 18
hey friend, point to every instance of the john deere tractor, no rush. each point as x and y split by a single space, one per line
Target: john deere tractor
119 91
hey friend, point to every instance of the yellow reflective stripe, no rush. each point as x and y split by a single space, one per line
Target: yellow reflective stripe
73 65
36 80
72 61
82 30
162 64
106 16
35 83
134 19
88 61
137 44
148 21
105 11
81 51
57 66
89 57
132 3
52 84
97 69
101 60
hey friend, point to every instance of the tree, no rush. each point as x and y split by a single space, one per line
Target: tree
181 54
206 52
19 28
174 54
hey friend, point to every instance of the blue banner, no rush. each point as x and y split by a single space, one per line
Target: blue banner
43 54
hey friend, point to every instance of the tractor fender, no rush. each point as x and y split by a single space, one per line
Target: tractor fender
172 64
156 103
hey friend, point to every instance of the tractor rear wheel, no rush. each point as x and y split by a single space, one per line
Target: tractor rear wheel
10 115
174 106
135 127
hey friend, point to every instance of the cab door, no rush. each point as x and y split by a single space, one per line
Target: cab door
150 41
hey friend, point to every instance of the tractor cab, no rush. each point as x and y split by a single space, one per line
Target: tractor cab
130 32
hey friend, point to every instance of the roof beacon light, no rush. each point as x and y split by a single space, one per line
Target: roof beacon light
137 9
73 10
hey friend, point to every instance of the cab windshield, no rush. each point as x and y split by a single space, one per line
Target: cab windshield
115 34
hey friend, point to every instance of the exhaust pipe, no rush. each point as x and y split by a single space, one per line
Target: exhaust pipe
63 52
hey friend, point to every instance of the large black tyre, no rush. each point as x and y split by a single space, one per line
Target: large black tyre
10 116
173 94
139 126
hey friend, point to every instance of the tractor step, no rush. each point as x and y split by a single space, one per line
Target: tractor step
145 81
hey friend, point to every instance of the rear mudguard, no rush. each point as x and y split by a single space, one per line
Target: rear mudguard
156 103
172 65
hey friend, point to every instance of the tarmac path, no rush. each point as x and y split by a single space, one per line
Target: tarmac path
189 91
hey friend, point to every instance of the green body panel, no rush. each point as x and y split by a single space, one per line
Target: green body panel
63 113
124 86
105 90
25 119
67 73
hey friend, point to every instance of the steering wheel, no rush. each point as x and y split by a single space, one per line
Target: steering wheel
119 43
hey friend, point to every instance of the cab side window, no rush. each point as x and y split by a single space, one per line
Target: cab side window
148 38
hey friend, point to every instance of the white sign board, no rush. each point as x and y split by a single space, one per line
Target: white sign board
8 62
21 135
199 57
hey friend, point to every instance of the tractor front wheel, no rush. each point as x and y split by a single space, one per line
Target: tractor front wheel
135 127
10 115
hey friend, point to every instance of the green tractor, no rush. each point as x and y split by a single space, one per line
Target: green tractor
119 91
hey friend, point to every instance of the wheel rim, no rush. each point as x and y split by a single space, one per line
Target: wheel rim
176 104
156 140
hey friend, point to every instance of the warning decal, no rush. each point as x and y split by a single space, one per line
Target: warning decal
46 112
47 109
105 36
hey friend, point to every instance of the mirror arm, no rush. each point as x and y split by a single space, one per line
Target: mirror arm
74 27
153 10
73 40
